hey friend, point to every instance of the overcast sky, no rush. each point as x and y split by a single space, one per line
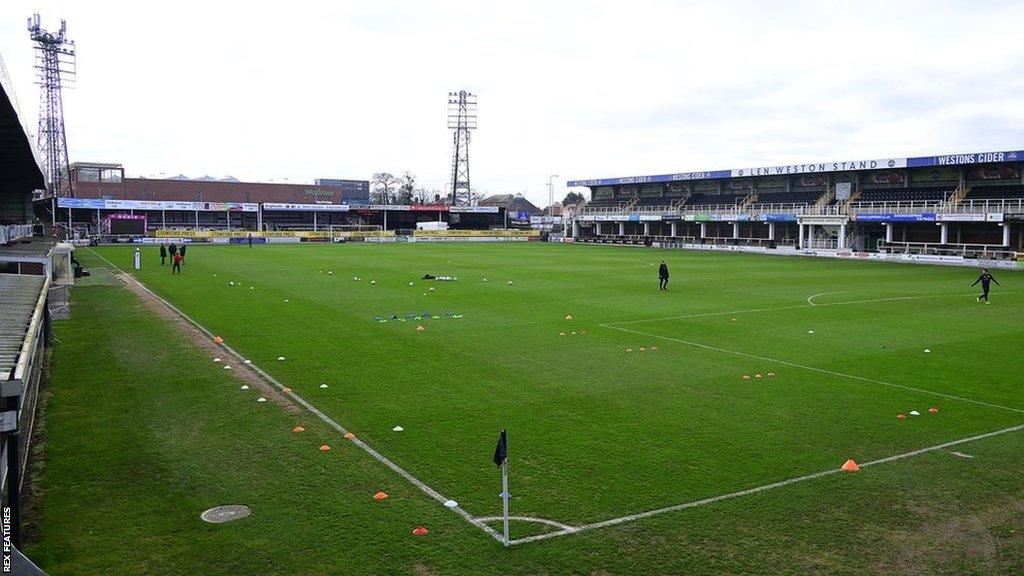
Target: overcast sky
345 89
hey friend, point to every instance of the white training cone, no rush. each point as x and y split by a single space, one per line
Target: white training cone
323 385
261 399
231 283
245 386
330 272
226 367
431 289
451 504
810 331
280 358
927 351
915 413
374 282
397 429
248 361
485 279
509 282
216 359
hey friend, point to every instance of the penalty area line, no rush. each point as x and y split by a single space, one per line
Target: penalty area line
756 489
812 368
316 412
791 307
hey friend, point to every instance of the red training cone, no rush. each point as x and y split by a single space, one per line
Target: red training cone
850 466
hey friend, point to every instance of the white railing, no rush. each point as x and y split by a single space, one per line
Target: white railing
710 209
898 207
966 250
781 208
986 206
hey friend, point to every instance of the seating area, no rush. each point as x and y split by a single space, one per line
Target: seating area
656 201
1000 192
715 199
805 197
932 194
607 202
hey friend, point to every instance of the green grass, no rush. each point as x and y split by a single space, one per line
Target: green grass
594 432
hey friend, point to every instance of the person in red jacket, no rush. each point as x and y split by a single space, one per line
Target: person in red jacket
177 264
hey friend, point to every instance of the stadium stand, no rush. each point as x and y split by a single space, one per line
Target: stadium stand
808 197
998 192
931 194
715 199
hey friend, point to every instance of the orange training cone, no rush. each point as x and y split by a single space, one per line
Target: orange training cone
349 435
298 429
324 448
420 328
901 416
380 496
933 410
419 531
850 466
287 390
218 340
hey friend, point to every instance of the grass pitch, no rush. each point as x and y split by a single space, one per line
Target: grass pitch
595 432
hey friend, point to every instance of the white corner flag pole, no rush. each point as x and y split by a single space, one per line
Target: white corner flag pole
504 497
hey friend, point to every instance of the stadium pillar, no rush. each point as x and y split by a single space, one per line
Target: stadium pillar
674 228
841 242
703 229
1006 234
647 228
314 221
622 228
259 217
735 230
771 230
943 233
197 219
163 219
575 228
888 231
800 235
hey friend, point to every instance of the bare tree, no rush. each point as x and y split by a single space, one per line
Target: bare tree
384 187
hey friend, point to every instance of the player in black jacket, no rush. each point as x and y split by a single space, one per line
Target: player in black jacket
985 279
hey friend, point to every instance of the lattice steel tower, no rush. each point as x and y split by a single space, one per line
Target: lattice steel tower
55 65
461 119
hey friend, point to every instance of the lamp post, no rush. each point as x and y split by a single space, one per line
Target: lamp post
551 202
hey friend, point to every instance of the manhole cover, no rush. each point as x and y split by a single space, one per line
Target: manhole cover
222 514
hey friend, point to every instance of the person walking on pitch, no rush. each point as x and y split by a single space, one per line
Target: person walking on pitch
163 254
985 279
177 264
663 276
182 252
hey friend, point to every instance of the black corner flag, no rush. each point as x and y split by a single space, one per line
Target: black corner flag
501 450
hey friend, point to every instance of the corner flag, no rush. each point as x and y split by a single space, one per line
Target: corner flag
501 450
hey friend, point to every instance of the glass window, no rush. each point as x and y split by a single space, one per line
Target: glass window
111 175
88 175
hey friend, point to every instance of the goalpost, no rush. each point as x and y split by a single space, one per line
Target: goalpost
366 232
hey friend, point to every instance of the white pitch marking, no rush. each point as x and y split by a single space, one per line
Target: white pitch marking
811 368
810 299
325 418
564 527
756 489
961 455
791 307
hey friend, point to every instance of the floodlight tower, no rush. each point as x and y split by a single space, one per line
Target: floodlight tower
461 119
55 65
